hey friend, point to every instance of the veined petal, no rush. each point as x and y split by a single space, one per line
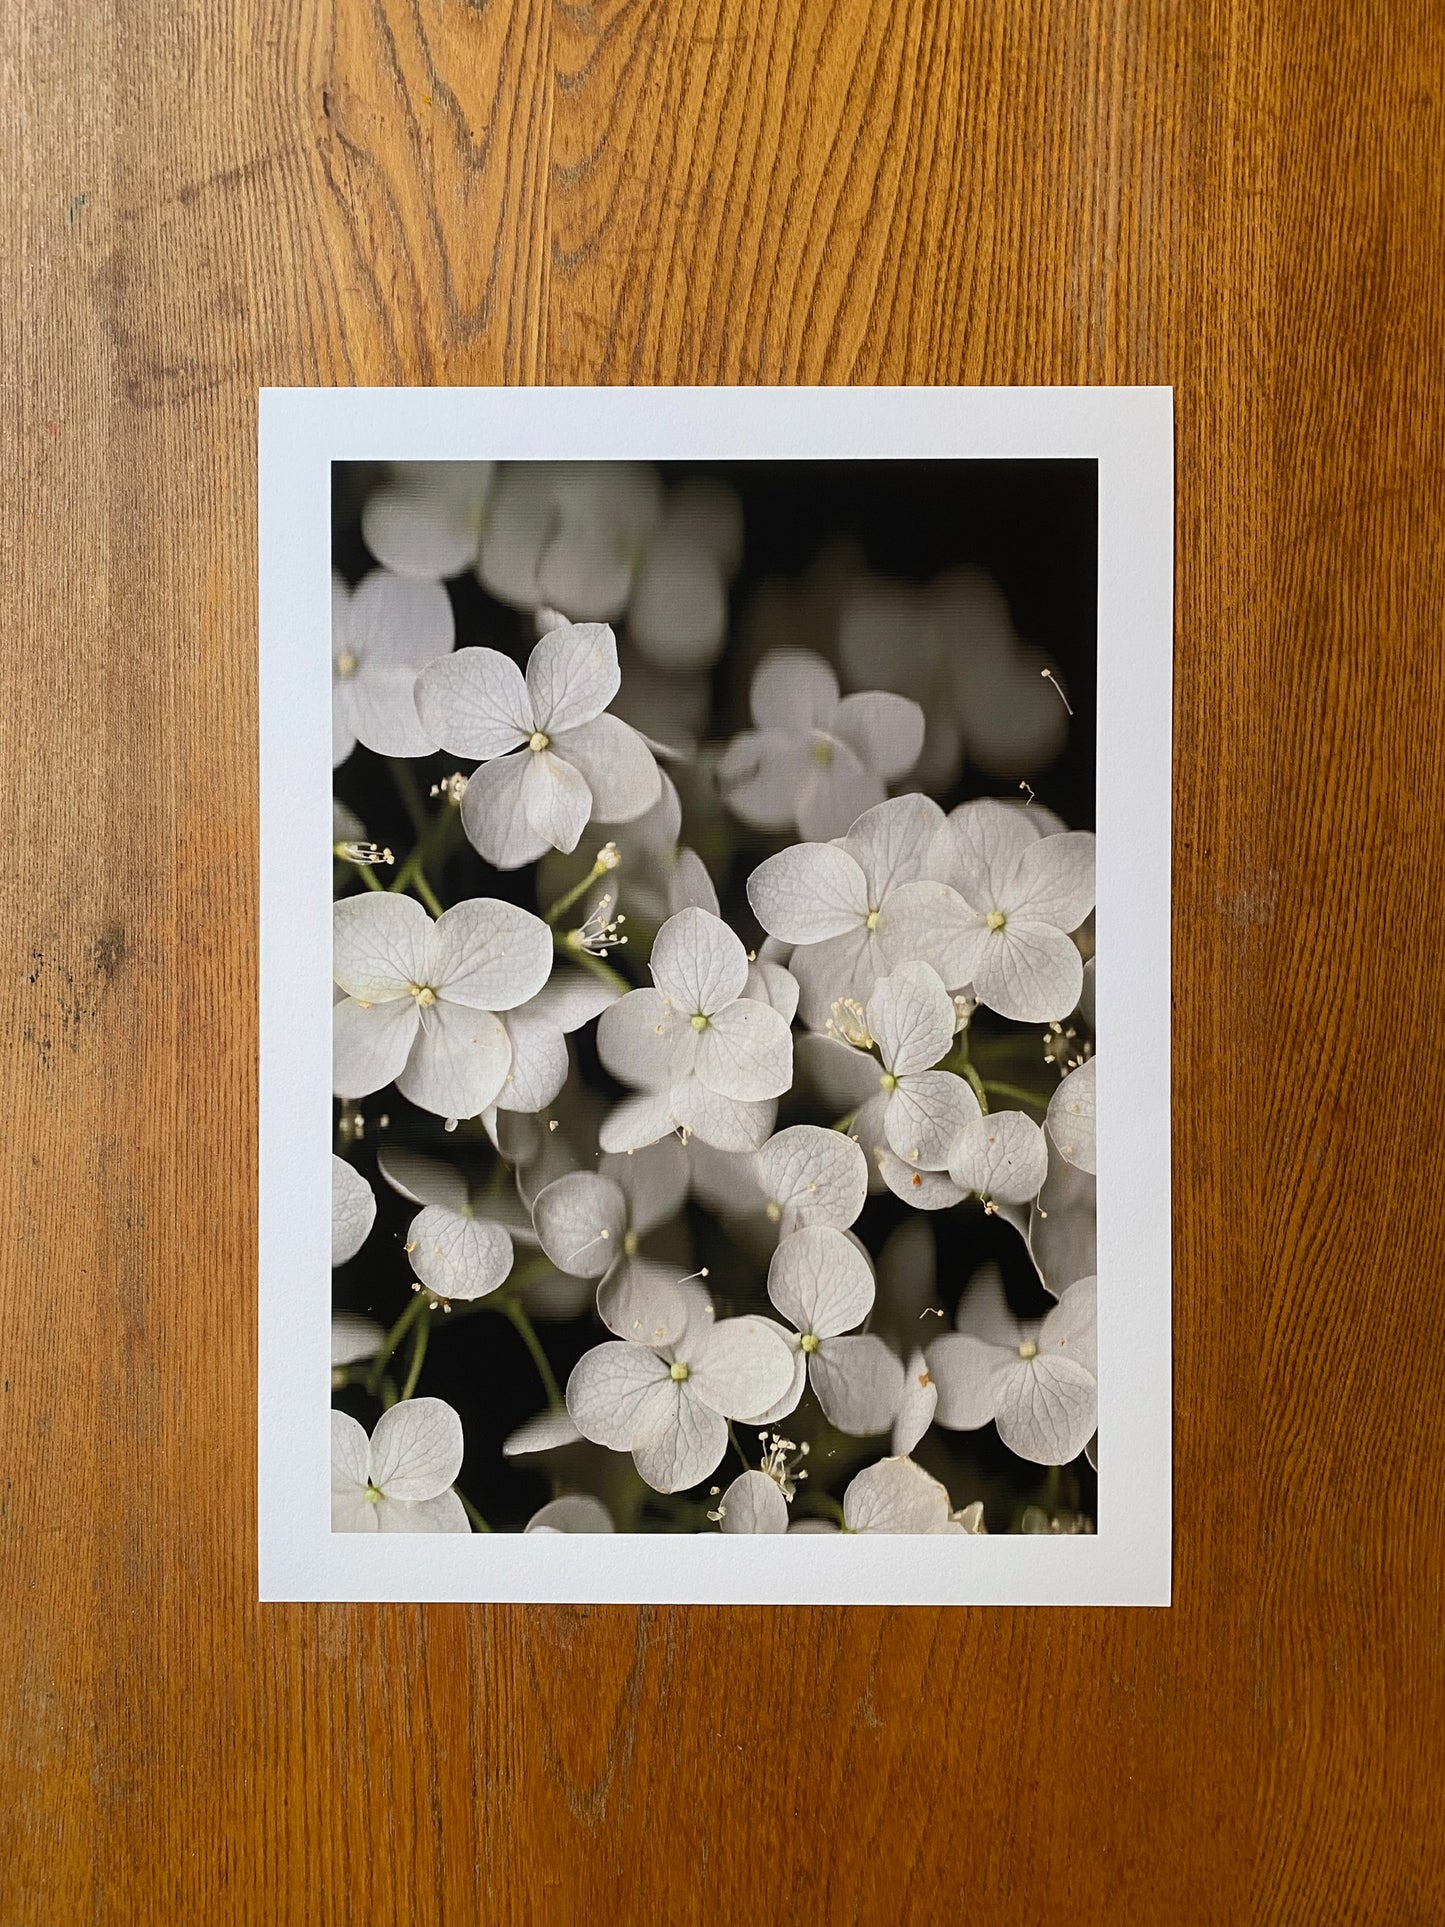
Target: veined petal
459 1061
683 1444
698 964
896 1496
760 774
1053 881
911 1016
1071 1117
350 1455
381 707
820 1281
834 790
639 1121
813 1176
493 817
581 1220
746 1052
924 1190
619 768
572 676
474 703
379 946
795 691
555 799
971 1377
1002 1156
885 731
457 1257
916 1407
788 1401
754 1503
924 1116
1048 1409
737 1366
539 1061
858 1382
890 843
1070 1329
978 848
727 1123
846 966
771 983
928 923
370 1044
444 1513
488 954
353 1211
351 1510
416 1449
654 1182
644 1040
691 888
1028 971
808 893
618 1391
569 999
643 1303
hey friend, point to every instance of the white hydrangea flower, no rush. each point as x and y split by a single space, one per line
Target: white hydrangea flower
822 1283
678 606
896 1496
573 1512
816 761
551 758
398 1480
422 997
916 1406
669 1406
1070 1118
426 519
353 1211
591 1224
808 1175
1037 1379
1025 892
708 1059
1002 1158
858 908
910 1017
753 1503
353 1338
383 632
538 1031
567 535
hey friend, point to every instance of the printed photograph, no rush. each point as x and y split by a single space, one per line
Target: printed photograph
713 1022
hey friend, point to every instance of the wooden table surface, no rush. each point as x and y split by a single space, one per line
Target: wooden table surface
1244 200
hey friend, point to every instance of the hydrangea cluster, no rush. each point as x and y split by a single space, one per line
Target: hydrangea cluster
743 1078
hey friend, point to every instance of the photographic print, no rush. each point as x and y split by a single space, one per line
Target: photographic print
704 956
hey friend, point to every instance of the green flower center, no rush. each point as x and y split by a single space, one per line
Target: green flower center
1028 1349
810 1341
678 1371
822 752
888 1081
424 995
373 1494
996 919
629 1243
537 741
347 664
699 1022
870 922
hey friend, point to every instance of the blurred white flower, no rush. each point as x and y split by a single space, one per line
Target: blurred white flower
1002 1158
567 535
1025 892
695 1044
551 758
573 1512
591 1224
822 1283
426 519
896 1496
916 1406
1037 1379
383 632
809 1175
422 997
858 908
353 1338
547 1432
669 1407
814 761
398 1480
678 607
689 887
353 1211
1070 1118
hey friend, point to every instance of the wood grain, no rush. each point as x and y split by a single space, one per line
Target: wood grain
1241 197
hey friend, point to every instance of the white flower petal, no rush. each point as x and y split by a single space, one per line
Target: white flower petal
727 1123
572 676
738 1366
425 524
547 1432
690 887
978 848
754 1503
1003 1156
788 1400
617 1392
639 1121
350 1455
895 1496
569 999
444 1513
911 1017
916 1407
1028 971
1071 1117
379 945
1054 880
983 1310
458 1063
351 1510
793 690
581 1220
643 1040
890 843
886 731
555 799
353 1211
678 610
834 791
924 1116
808 893
654 1183
539 1062
841 967
493 817
1063 1231
416 1449
1070 1330
586 570
760 775
771 983
682 1446
928 923
858 1383
643 1303
971 1377
573 1512
842 1077
520 516
820 1281
457 1257
422 1180
489 955
474 703
924 1190
1048 1410
746 1052
401 624
698 963
810 1176
370 1044
353 1338
620 769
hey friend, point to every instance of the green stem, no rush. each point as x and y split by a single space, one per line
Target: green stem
742 1456
1017 1093
845 1122
367 875
471 1511
408 791
522 1324
564 903
430 848
428 896
393 1338
978 1086
418 1353
595 964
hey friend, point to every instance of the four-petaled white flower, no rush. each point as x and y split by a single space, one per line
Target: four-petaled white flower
669 1406
591 1223
823 1285
551 758
383 632
707 1058
814 761
422 997
1025 892
809 1175
858 908
353 1211
1037 1379
398 1480
1070 1118
910 1017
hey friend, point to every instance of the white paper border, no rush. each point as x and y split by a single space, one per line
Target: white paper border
1129 432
